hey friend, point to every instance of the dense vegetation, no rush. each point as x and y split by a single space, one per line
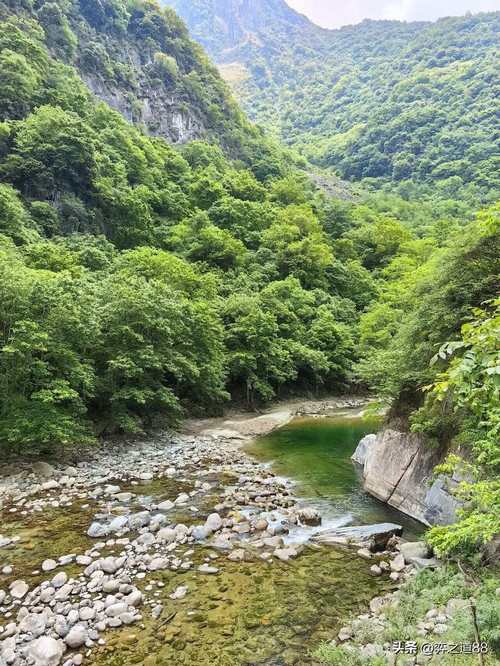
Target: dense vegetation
432 589
136 279
407 109
435 330
137 58
411 104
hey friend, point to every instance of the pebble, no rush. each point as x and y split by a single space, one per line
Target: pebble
285 554
207 569
49 565
18 589
156 612
45 651
213 523
66 613
59 580
345 634
398 563
165 506
179 593
97 531
76 637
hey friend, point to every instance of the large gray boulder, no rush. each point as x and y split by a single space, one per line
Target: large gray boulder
398 469
412 549
376 535
440 505
362 449
425 562
45 651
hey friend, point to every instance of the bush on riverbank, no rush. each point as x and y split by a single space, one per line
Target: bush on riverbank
447 590
432 344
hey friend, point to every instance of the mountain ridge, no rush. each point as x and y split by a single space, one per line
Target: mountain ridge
141 61
345 97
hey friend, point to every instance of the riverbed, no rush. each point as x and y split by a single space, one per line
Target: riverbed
250 589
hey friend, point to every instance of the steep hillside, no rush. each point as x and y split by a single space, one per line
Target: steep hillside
382 100
140 60
240 28
137 279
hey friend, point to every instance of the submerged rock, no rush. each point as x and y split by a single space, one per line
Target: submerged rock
200 532
207 569
118 524
138 520
285 554
97 531
376 535
165 506
179 593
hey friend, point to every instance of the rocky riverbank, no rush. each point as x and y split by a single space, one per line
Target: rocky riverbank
398 469
126 537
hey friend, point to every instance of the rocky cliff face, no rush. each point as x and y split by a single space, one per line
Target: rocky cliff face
398 469
227 28
140 60
160 113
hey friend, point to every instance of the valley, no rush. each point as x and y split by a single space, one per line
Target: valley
181 293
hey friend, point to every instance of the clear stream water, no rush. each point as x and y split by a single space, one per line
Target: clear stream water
315 454
251 613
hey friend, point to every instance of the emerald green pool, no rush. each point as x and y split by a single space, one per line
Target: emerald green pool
316 455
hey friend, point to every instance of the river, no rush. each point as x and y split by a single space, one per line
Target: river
315 453
259 611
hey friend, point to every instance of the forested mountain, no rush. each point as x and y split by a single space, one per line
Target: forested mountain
136 279
396 102
242 29
137 59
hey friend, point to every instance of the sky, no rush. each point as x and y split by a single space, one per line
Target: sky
336 13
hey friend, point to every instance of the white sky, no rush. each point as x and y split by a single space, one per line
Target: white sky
336 13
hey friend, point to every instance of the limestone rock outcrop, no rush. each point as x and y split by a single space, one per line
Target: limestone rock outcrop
398 469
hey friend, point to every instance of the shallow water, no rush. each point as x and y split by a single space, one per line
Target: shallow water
251 613
316 455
